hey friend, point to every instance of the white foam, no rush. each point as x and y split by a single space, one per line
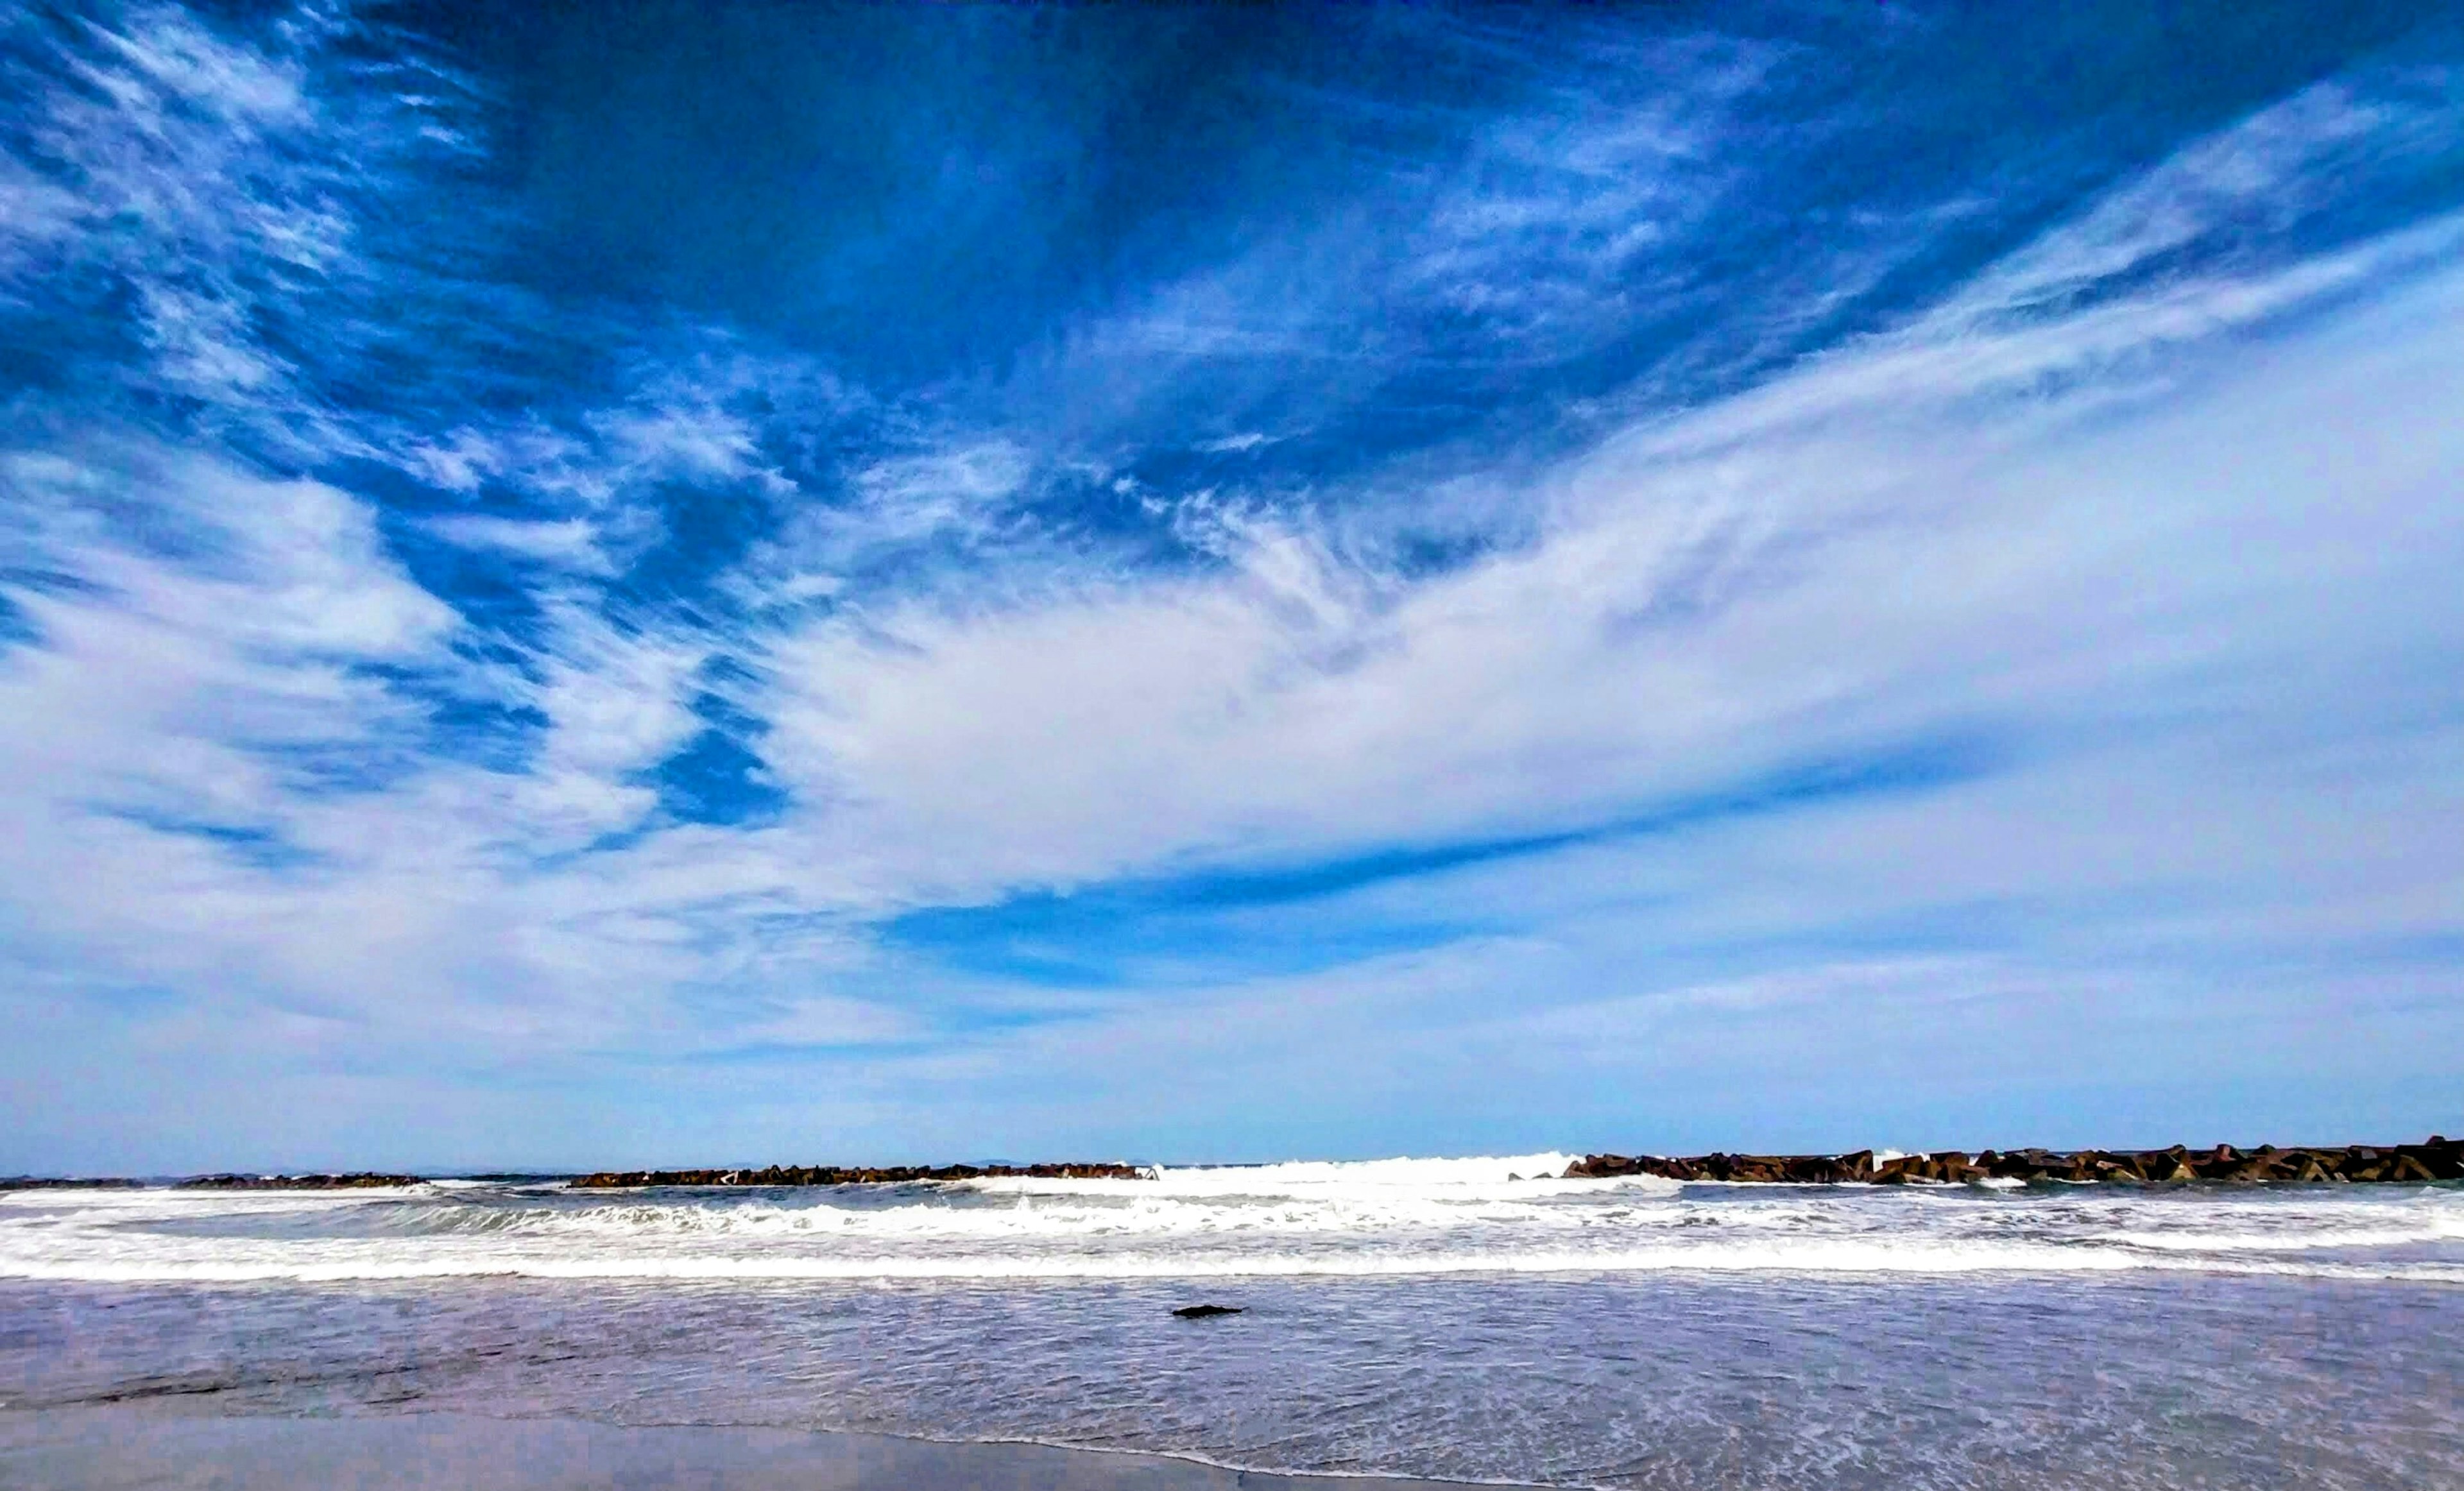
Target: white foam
2430 1229
1379 1218
1522 1175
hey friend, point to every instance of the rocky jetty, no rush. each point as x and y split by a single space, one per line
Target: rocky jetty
847 1176
360 1181
2440 1158
68 1183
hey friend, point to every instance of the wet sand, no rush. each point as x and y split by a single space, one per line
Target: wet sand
108 1448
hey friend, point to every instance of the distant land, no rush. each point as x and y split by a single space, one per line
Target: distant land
2435 1159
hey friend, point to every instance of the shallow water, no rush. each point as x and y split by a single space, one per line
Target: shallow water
1432 1318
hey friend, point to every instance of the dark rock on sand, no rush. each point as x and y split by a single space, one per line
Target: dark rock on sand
1206 1311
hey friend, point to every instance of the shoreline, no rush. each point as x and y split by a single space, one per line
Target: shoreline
2438 1159
108 1447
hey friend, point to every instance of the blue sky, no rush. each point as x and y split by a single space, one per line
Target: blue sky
651 584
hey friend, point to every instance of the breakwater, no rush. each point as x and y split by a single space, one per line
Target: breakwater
357 1180
2439 1158
69 1183
851 1175
2435 1159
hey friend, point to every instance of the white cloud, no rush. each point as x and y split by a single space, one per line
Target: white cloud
1240 444
958 492
572 545
210 184
1683 622
2286 163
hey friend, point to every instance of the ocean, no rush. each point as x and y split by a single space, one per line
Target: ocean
1460 1319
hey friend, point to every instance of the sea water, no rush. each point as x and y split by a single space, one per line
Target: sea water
1470 1319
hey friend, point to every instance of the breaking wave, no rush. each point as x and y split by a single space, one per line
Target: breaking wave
1384 1218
